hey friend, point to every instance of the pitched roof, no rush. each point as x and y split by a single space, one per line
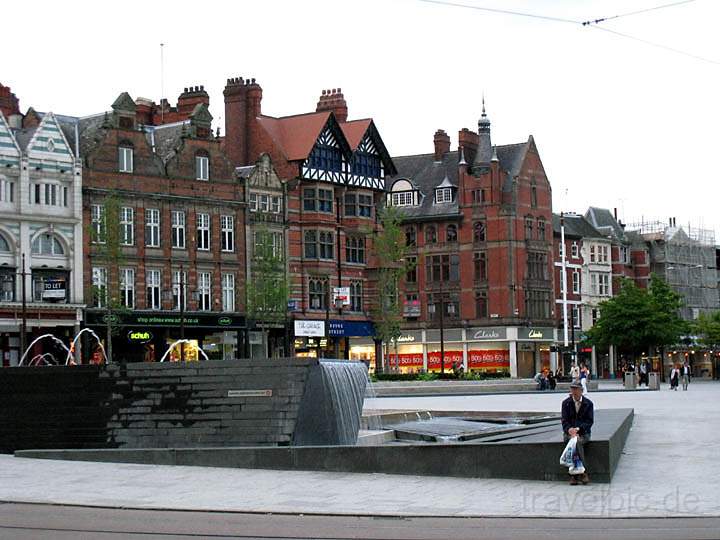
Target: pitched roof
295 135
576 226
355 131
603 220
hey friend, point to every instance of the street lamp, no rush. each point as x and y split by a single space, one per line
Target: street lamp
8 287
431 310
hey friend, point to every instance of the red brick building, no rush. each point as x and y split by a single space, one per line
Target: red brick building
181 229
479 224
334 174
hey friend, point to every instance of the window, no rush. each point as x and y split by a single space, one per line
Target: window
4 245
127 287
533 195
8 277
595 316
203 232
351 204
253 202
575 250
227 233
228 292
326 245
179 289
318 293
47 244
481 304
365 164
125 159
327 158
411 274
152 278
600 284
451 233
97 223
604 254
356 296
403 198
264 204
411 308
270 243
528 229
355 249
325 200
50 286
204 291
541 229
443 195
319 244
309 202
593 256
311 245
7 191
152 227
575 316
202 167
178 229
99 281
127 226
536 265
365 204
478 196
357 204
430 234
624 255
480 265
275 205
537 304
410 236
442 268
576 282
479 232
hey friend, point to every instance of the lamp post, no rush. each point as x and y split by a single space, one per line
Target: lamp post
432 309
9 287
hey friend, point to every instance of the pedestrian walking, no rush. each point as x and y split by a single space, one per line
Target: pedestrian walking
578 416
674 377
575 373
584 375
644 373
685 374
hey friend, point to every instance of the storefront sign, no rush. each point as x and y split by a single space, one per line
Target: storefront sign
54 289
487 334
292 305
139 336
350 328
249 393
310 328
167 318
224 321
411 360
410 337
451 357
341 294
489 359
536 334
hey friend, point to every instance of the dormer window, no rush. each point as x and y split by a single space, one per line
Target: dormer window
403 198
202 166
125 158
443 195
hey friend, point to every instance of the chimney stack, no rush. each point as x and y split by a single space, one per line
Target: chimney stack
9 105
190 98
442 144
333 100
236 120
469 141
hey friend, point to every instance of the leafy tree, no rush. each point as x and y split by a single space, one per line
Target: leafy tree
267 291
390 252
669 326
707 327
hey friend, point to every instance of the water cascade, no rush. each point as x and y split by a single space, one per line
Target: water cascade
34 341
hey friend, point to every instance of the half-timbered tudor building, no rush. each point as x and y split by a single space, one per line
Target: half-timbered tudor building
180 269
40 228
334 171
478 223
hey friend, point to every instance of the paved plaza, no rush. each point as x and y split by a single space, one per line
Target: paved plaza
669 468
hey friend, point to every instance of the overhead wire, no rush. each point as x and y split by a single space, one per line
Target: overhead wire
637 12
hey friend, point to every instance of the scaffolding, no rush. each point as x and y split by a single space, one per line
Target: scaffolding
685 258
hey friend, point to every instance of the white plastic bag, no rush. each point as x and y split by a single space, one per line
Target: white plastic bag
566 458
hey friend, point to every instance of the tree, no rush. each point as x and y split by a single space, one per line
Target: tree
390 251
707 327
637 319
267 291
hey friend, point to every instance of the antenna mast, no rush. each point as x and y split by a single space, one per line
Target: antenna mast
162 82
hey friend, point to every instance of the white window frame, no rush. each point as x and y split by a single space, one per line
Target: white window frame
203 231
253 201
228 292
576 282
575 250
443 195
153 279
7 191
275 204
152 227
264 202
125 159
99 281
178 229
202 168
127 287
127 226
204 291
179 283
227 233
403 198
97 223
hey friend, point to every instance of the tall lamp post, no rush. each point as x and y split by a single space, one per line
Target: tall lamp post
8 287
432 309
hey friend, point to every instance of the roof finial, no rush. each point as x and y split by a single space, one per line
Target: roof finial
462 156
483 103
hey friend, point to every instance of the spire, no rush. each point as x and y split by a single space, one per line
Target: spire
484 151
462 156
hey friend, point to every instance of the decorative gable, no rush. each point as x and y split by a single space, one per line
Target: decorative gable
367 168
124 111
201 121
48 146
9 150
327 160
263 175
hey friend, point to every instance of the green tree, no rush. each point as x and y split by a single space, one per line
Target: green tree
390 252
707 327
268 290
668 326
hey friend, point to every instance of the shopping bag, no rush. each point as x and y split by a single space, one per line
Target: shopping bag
577 467
566 458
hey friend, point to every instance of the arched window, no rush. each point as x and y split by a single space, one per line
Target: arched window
4 245
541 229
47 244
479 232
430 235
451 233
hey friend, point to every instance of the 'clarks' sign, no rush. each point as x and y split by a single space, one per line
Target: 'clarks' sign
487 334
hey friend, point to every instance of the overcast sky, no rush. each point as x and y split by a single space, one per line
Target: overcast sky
618 123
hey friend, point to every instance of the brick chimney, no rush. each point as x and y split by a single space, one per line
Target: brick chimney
442 144
333 100
9 105
236 124
190 98
254 100
144 110
468 140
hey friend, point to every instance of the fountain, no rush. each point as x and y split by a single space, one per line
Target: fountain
74 340
34 341
178 342
35 360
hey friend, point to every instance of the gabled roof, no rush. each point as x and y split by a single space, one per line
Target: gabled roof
576 226
355 131
124 103
603 220
7 139
511 156
295 135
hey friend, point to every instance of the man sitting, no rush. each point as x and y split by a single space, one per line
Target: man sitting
577 420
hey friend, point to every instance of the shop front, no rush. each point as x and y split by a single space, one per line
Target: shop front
154 336
533 350
335 338
407 354
488 350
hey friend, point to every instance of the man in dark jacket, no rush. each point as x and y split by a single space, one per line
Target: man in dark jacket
577 420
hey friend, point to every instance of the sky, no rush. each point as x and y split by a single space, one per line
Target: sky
619 123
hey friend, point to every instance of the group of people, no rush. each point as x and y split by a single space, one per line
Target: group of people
547 379
679 373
